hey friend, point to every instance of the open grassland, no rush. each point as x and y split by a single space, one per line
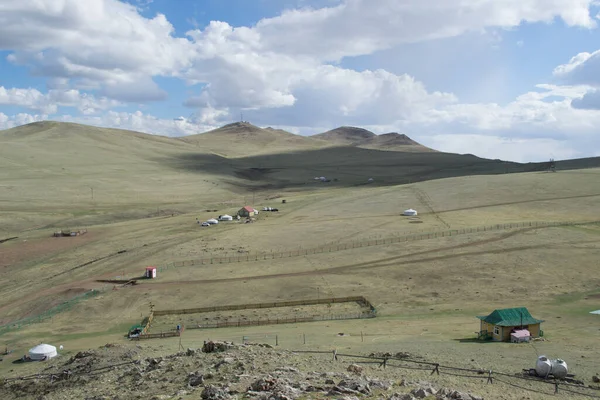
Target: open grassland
427 292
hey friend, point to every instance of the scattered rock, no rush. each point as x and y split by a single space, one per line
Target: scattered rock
288 369
423 392
263 384
401 396
191 352
355 369
195 379
378 384
596 379
212 392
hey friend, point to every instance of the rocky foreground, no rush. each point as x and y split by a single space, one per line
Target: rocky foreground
222 371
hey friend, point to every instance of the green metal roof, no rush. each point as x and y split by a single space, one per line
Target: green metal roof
510 317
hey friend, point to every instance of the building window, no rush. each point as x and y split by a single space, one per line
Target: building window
496 330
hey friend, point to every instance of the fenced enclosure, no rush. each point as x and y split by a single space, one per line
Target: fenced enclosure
286 315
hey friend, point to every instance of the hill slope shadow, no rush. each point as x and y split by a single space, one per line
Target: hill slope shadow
349 166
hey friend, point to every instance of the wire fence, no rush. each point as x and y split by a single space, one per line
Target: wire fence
335 247
520 381
538 385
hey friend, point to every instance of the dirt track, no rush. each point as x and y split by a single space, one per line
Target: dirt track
384 262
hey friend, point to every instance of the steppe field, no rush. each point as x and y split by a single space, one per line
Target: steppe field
139 197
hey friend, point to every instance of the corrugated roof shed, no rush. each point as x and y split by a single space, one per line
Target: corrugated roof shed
510 317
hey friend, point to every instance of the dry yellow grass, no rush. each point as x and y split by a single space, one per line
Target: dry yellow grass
427 292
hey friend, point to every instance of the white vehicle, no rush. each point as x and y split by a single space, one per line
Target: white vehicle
205 224
266 209
212 221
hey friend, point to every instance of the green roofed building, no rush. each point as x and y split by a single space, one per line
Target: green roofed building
500 324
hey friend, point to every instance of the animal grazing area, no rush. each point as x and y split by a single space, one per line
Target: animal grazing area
288 312
483 240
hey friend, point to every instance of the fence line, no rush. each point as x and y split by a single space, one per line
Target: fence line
489 375
484 374
293 303
335 247
369 312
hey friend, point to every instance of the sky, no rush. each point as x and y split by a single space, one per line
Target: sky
515 80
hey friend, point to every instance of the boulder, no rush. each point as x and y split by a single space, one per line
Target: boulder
195 379
355 369
212 392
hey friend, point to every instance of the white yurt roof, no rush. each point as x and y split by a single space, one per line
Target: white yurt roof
42 350
226 216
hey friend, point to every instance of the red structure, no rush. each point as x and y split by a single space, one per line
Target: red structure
150 272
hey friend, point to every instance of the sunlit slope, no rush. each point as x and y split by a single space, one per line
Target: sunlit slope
51 164
243 139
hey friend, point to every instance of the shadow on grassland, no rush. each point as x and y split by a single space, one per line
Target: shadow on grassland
351 166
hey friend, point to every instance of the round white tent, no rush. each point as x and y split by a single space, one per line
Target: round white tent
410 212
42 352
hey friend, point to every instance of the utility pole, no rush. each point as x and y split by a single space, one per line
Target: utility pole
92 189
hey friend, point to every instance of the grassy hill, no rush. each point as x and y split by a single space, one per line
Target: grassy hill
359 137
110 174
244 139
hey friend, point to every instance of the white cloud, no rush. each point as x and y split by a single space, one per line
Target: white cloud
50 102
278 71
356 27
583 69
98 42
136 121
7 122
497 147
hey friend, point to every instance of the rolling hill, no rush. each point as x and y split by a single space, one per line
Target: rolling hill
243 139
55 163
359 137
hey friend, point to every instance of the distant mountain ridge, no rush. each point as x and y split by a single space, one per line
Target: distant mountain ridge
359 137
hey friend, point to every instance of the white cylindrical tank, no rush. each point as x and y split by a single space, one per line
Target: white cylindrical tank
559 368
543 367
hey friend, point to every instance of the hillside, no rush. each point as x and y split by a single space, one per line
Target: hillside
244 139
359 137
109 174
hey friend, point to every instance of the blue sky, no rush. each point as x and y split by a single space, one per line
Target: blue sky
500 79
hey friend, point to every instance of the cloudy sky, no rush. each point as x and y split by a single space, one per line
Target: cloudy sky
511 79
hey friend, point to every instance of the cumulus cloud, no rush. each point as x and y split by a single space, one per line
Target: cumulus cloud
590 101
49 103
136 121
98 42
279 63
356 27
582 69
511 149
279 71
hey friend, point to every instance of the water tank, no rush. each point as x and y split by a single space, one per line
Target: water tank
543 367
559 368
